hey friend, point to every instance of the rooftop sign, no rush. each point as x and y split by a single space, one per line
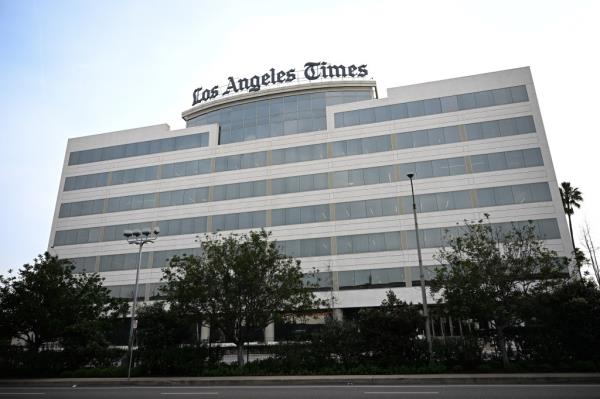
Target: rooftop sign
312 71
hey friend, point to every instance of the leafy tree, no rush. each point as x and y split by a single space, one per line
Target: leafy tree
489 274
391 332
239 285
571 198
563 325
48 304
167 344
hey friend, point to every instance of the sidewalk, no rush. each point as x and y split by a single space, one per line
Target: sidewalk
403 379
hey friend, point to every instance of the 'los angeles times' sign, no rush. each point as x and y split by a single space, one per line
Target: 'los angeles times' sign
312 71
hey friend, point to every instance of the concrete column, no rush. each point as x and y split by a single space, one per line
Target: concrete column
270 333
338 314
204 333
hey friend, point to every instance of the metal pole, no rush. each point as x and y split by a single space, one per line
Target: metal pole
135 298
421 272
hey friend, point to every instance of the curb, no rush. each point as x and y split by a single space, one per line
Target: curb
407 379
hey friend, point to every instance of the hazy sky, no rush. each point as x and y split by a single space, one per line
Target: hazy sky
73 68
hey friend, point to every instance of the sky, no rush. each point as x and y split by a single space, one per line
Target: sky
75 68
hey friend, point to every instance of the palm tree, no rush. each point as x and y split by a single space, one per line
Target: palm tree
571 197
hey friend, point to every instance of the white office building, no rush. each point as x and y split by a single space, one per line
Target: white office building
322 163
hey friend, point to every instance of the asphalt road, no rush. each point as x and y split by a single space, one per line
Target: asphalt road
312 392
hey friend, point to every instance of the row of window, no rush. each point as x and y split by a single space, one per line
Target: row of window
141 148
400 240
276 117
320 181
432 106
320 281
366 145
128 291
350 244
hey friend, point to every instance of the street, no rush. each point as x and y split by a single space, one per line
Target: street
312 391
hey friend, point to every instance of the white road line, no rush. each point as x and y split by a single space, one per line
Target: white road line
402 393
22 393
188 393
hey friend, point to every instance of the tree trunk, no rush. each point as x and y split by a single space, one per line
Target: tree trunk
502 345
240 354
573 243
571 231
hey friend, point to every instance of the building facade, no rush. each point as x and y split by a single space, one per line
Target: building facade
323 166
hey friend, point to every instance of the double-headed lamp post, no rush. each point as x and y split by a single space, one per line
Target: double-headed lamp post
421 271
139 238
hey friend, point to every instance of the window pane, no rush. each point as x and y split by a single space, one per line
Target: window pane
344 244
389 207
514 159
519 94
277 217
433 106
424 170
404 140
457 166
479 163
307 214
355 177
503 195
484 98
445 201
497 161
507 127
346 278
449 104
451 134
522 194
501 96
415 108
420 138
399 111
533 157
357 209
340 179
440 167
392 241
373 208
466 101
490 129
376 242
386 174
292 216
474 131
462 199
436 136
485 197
525 124
292 184
540 192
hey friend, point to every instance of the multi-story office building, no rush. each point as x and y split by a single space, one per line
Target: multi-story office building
323 166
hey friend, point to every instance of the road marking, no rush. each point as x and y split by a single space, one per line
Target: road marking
188 393
402 392
22 393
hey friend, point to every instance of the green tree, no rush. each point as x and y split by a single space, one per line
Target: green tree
239 285
562 326
571 198
168 343
48 304
391 332
490 274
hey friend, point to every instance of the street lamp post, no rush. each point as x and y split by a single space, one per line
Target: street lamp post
139 238
421 272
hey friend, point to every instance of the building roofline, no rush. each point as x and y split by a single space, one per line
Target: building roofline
274 92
